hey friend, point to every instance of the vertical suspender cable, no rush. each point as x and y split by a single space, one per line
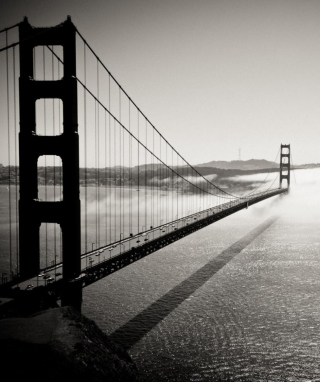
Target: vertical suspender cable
54 164
160 180
177 188
110 176
105 180
96 174
153 177
115 180
16 156
158 211
9 163
138 175
166 188
188 196
98 156
130 172
293 170
120 169
96 106
85 154
123 176
145 183
181 191
172 187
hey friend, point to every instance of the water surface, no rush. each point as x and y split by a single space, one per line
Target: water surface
256 318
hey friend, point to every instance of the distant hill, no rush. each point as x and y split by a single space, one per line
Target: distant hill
251 164
307 165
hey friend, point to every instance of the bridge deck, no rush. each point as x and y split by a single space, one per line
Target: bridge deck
151 241
105 267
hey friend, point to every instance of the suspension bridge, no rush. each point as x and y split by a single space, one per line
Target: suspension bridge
91 185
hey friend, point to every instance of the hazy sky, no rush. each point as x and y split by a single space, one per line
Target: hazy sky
212 76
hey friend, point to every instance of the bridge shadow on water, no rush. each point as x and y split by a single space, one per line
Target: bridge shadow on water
131 332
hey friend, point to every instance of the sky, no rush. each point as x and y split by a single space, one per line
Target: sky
212 76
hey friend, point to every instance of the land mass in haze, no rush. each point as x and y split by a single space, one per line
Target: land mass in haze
251 164
226 175
145 174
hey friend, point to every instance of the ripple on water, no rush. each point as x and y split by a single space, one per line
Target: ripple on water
256 319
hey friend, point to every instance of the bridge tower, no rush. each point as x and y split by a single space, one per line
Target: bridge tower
33 212
285 164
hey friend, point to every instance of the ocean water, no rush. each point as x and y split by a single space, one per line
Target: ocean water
236 301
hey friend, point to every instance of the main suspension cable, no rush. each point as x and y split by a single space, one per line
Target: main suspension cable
29 38
9 162
144 116
166 165
8 28
250 193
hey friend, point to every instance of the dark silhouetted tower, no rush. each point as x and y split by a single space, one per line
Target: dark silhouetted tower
33 212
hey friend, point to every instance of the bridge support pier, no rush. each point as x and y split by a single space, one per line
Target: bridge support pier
33 212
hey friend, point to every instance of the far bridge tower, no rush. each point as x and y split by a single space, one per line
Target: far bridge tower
285 164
